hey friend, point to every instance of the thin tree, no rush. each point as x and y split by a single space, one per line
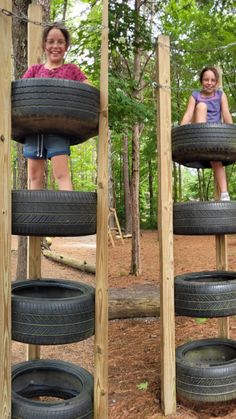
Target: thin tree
127 195
135 175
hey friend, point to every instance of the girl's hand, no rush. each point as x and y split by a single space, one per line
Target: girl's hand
86 81
188 116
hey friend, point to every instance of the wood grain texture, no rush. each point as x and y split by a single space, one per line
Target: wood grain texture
5 211
101 302
34 243
165 227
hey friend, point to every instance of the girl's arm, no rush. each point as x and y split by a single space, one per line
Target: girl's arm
226 115
86 81
188 116
29 74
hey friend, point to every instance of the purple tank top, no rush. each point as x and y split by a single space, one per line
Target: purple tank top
213 105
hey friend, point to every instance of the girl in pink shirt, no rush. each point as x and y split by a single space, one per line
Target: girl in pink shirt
55 41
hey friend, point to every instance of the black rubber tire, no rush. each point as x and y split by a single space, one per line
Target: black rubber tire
204 218
52 312
53 213
206 370
195 145
206 294
71 383
54 106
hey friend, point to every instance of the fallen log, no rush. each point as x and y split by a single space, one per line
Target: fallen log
136 301
124 303
65 260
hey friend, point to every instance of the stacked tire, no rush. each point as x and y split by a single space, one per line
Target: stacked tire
51 311
205 369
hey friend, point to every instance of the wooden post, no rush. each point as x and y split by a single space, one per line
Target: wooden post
165 228
34 243
5 211
101 305
221 255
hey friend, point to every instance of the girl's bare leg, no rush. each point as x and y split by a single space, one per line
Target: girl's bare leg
200 113
220 175
36 172
60 165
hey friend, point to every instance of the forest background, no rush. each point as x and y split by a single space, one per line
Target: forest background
202 32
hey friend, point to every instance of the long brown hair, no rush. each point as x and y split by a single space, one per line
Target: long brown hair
213 69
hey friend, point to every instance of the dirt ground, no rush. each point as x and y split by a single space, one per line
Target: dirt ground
134 344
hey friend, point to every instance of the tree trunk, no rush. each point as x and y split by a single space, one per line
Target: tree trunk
136 260
65 4
135 263
150 183
127 197
200 191
180 182
111 198
175 186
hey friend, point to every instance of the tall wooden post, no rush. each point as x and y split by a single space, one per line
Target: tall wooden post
101 305
165 227
5 210
221 257
34 243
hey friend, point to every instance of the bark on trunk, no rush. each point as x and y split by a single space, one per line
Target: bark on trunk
180 182
127 196
137 301
175 186
150 182
111 198
136 260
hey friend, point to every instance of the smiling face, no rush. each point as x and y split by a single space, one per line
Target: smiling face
209 82
55 47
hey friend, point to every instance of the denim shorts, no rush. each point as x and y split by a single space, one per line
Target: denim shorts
45 146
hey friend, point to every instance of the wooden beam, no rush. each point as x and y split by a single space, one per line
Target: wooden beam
5 210
165 227
101 304
222 264
34 243
112 211
221 252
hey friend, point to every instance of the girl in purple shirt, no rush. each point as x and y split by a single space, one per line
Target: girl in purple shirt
210 105
55 42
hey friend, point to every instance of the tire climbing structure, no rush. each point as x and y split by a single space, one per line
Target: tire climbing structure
53 311
205 369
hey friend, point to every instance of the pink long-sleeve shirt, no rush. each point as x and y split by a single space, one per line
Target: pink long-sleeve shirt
65 71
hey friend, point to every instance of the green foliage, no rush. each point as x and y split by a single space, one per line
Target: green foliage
201 33
201 320
143 386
